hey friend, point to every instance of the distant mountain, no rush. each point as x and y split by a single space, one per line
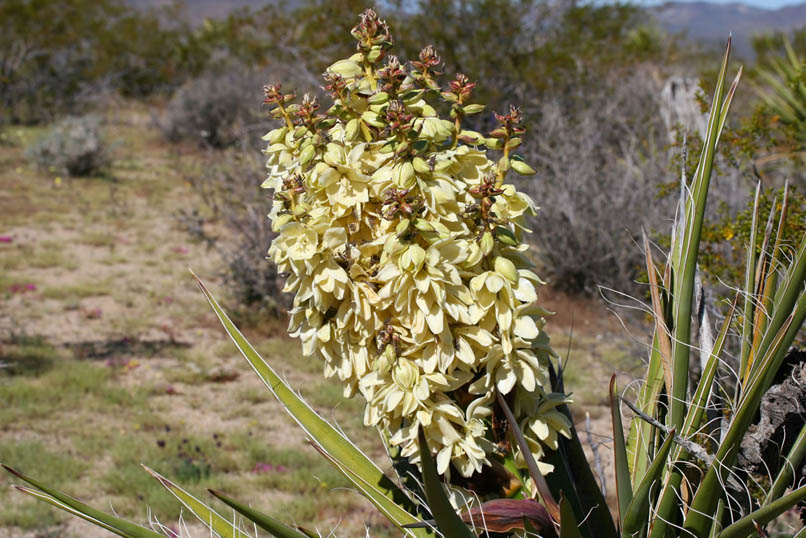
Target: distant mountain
702 21
712 23
198 10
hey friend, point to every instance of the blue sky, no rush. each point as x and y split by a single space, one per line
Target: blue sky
772 4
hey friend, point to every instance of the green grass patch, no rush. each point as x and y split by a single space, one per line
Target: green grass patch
28 355
193 462
98 238
192 369
55 468
50 258
76 292
66 387
295 470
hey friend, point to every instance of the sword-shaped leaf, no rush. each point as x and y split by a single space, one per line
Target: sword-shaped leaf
636 516
73 506
210 518
447 520
746 526
538 478
339 447
568 526
623 483
792 462
264 521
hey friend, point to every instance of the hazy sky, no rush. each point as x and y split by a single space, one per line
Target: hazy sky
772 4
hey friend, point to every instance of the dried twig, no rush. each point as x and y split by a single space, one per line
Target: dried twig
597 459
699 452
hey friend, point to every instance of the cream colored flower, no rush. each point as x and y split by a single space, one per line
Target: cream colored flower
404 249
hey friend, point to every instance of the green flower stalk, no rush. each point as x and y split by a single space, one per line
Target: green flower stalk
403 245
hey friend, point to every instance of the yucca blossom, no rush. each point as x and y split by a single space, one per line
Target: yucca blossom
403 245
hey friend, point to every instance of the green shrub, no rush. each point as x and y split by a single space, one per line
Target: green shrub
74 146
216 110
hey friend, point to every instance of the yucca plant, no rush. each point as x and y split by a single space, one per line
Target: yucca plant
784 91
381 190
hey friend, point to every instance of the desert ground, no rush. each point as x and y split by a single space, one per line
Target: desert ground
112 358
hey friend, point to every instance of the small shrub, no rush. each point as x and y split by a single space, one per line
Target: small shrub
231 192
214 110
598 174
75 146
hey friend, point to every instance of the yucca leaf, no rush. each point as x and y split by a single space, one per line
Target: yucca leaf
659 372
661 328
746 526
700 399
716 527
770 282
537 477
574 480
640 435
792 462
447 520
685 261
636 516
749 300
762 310
69 504
683 258
569 528
623 485
322 432
697 520
785 303
210 518
392 511
265 522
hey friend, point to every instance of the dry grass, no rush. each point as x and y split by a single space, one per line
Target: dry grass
118 360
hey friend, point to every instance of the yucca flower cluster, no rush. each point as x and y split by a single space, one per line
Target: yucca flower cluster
403 246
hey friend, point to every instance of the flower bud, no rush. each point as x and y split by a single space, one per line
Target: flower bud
386 360
471 137
506 269
405 177
306 155
402 227
522 168
417 255
423 225
472 109
375 54
486 243
503 164
301 209
371 118
411 96
420 166
276 135
505 236
378 98
473 256
494 143
280 221
346 68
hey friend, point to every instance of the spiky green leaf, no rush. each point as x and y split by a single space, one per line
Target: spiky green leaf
75 507
264 521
